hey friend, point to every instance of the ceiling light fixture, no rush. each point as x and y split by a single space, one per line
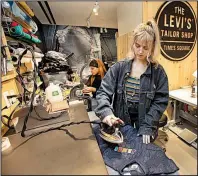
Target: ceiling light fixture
88 23
96 8
101 30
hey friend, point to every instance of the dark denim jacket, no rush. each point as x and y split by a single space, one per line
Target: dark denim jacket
151 159
153 100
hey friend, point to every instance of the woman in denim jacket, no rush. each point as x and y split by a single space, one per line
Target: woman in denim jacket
135 91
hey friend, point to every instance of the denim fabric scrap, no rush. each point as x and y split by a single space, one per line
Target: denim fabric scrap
150 157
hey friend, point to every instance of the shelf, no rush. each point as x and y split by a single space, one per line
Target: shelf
9 38
188 117
4 43
10 75
38 85
13 74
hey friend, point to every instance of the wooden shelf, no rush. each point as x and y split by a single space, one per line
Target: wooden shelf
13 74
9 38
10 75
4 43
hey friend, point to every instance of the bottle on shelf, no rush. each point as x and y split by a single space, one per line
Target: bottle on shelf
193 94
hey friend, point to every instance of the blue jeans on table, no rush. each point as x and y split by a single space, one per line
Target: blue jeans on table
149 158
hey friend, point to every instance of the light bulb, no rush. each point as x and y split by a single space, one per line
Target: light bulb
96 8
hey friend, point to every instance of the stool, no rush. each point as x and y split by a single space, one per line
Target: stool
161 134
163 123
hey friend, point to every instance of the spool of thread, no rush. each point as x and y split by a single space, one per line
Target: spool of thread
12 50
6 5
6 29
14 59
23 60
6 19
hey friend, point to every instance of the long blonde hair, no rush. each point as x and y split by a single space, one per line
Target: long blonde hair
148 32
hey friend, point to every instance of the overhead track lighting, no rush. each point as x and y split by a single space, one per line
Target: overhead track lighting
96 8
88 23
101 30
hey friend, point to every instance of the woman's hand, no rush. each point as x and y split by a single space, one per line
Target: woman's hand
112 120
146 138
89 89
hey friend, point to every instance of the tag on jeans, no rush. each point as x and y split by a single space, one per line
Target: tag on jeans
124 150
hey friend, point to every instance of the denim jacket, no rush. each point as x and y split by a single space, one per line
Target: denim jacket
150 158
153 97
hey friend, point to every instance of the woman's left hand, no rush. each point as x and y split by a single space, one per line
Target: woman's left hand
146 138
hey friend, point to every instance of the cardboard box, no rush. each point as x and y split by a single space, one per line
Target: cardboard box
57 106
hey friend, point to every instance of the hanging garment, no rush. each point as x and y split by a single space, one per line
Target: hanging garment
133 157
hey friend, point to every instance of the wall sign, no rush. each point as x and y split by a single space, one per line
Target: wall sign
178 28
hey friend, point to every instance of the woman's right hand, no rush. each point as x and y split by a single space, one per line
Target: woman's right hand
112 120
89 89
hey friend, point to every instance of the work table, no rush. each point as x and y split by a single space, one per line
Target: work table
184 95
55 152
180 96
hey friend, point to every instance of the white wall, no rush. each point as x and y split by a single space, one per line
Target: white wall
75 13
129 15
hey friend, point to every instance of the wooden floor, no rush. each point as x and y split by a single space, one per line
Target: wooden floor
184 155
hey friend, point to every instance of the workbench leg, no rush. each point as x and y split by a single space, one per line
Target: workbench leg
174 110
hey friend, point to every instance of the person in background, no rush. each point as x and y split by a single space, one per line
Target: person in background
98 71
137 87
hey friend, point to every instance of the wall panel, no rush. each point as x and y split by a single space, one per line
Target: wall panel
179 72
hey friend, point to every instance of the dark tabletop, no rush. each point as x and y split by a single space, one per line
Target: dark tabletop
56 152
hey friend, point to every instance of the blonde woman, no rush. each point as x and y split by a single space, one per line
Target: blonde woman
98 71
139 86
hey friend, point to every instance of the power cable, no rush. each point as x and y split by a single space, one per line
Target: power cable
60 129
9 118
64 125
34 88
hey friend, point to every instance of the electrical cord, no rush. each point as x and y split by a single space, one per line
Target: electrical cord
23 85
18 71
60 129
33 93
9 118
64 125
4 108
6 124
